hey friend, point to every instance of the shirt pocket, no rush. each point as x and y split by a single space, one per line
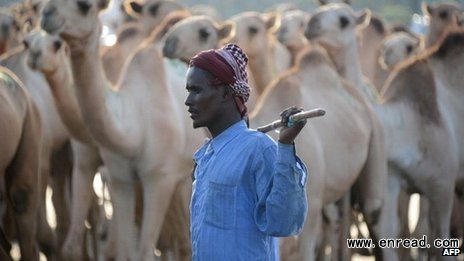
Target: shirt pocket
221 205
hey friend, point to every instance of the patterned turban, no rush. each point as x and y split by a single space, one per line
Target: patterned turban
228 66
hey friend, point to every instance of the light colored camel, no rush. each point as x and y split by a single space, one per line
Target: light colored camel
55 137
423 154
140 125
447 68
334 26
441 16
343 147
267 57
397 47
49 55
291 31
20 149
149 15
192 35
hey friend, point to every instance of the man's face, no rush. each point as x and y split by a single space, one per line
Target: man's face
204 100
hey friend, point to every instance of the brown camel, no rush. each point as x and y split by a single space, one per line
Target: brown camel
130 122
343 147
20 149
423 154
55 139
442 15
447 68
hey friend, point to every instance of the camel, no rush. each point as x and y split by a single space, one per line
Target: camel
192 35
149 15
423 155
441 16
331 26
291 31
446 63
55 138
129 124
9 31
326 2
254 33
370 38
49 55
327 146
397 47
334 26
19 163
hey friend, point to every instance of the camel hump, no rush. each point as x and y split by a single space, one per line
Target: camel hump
313 55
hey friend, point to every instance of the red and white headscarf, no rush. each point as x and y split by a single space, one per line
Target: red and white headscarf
228 65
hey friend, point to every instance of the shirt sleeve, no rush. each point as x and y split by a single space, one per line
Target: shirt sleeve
280 179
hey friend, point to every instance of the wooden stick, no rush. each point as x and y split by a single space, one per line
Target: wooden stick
295 118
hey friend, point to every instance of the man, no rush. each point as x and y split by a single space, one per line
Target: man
247 189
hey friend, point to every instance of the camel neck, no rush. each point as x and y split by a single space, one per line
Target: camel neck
347 63
261 69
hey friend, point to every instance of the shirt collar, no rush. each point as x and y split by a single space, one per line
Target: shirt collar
221 140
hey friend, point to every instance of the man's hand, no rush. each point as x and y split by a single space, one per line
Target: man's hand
289 133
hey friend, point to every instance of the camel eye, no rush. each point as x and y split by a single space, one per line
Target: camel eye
252 30
443 15
57 45
204 34
84 7
409 48
154 9
344 22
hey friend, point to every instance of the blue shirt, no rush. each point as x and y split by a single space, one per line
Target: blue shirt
246 190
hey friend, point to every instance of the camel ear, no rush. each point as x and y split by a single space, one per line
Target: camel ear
133 8
348 2
225 30
426 9
272 21
363 17
322 2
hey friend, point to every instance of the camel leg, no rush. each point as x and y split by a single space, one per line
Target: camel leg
61 170
22 184
158 189
123 199
441 200
372 184
45 234
311 231
389 216
86 163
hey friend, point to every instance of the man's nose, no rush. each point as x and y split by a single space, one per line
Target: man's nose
188 100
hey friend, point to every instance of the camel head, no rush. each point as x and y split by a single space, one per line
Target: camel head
73 19
441 17
8 26
334 25
292 26
192 35
397 47
43 51
252 31
150 13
